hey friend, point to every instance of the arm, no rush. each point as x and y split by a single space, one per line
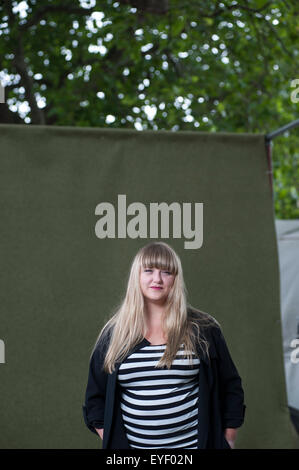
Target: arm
94 406
100 432
230 436
230 390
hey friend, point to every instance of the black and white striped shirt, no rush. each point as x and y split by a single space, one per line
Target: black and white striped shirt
159 405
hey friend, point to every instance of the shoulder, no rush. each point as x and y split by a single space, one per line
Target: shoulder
103 341
205 321
206 327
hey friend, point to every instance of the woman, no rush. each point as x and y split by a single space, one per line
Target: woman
160 373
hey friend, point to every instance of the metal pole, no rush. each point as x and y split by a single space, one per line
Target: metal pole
281 130
269 159
268 141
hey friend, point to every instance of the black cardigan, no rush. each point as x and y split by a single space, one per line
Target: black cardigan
220 405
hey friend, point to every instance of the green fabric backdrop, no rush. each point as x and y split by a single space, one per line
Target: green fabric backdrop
60 282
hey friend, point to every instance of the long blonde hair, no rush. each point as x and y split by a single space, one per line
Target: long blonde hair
127 326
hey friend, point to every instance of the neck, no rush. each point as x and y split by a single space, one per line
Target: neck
153 315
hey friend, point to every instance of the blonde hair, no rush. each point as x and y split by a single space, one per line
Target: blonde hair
127 326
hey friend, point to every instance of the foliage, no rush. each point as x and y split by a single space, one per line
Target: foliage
157 64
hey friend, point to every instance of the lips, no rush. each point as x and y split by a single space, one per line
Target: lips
156 288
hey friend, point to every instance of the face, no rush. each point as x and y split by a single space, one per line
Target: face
156 284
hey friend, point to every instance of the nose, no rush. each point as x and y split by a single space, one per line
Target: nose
157 276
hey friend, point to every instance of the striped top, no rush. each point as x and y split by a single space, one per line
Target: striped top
159 405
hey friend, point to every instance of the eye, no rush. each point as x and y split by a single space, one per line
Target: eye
147 270
167 272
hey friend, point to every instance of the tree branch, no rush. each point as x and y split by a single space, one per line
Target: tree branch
8 117
42 12
203 14
37 115
278 38
158 7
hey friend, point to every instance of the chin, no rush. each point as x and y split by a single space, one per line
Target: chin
157 297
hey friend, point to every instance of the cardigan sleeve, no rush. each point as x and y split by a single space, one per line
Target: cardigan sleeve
94 406
230 385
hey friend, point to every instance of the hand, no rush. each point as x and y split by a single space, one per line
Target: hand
230 435
100 432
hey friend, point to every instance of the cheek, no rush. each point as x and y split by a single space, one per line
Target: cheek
143 283
170 283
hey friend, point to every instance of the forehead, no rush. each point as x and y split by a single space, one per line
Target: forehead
159 262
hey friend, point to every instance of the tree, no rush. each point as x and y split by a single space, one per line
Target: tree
157 64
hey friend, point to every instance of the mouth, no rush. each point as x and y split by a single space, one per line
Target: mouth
156 288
